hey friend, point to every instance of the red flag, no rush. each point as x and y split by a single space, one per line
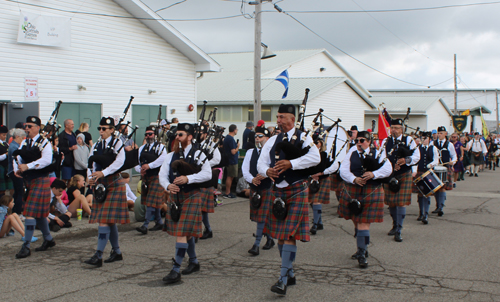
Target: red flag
383 127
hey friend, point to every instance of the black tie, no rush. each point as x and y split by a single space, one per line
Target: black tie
440 144
147 148
29 142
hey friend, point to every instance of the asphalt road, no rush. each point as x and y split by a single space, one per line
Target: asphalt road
453 258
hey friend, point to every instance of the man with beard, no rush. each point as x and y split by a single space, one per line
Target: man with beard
291 188
178 179
151 157
261 186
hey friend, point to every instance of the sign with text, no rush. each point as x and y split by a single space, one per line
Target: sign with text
30 89
44 30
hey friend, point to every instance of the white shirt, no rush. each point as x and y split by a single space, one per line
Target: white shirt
59 206
451 149
119 160
3 156
477 146
382 172
158 162
216 155
40 163
204 175
435 158
332 169
245 167
130 194
310 159
415 157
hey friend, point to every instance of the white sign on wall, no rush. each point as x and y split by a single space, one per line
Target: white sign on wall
30 89
44 30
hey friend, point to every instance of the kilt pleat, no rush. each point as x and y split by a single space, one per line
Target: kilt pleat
403 197
190 223
372 197
207 198
114 209
155 193
323 195
5 181
38 202
263 212
296 224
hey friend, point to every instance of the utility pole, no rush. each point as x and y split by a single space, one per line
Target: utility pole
455 81
257 63
496 96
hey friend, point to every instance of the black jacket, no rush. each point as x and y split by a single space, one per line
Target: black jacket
69 159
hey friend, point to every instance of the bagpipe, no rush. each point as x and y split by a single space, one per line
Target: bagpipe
46 135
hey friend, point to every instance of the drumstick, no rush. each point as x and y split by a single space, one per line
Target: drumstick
443 164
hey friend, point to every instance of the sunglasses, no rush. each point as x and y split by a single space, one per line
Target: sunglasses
259 135
149 134
361 140
28 126
179 134
103 128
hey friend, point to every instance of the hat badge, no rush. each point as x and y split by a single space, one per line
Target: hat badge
153 128
290 109
108 121
187 127
266 132
33 119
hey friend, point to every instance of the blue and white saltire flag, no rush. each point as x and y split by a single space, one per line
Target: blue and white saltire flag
283 79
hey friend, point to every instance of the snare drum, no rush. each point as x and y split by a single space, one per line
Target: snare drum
442 173
428 183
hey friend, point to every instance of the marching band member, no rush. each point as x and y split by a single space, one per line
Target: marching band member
185 192
322 196
113 209
260 208
208 193
479 150
5 181
398 192
429 158
291 187
151 156
448 156
362 184
36 178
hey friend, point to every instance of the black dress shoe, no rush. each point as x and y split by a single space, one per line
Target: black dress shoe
425 220
114 257
472 174
279 288
95 261
420 217
398 237
440 213
291 281
157 227
191 268
142 229
254 250
362 262
207 234
392 232
172 277
45 245
320 226
313 229
358 253
435 211
24 252
269 244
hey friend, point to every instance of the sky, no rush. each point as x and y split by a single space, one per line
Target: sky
412 46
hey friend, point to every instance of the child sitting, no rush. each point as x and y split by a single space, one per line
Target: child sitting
10 220
59 215
75 196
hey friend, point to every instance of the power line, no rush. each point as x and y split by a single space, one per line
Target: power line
170 6
393 10
347 54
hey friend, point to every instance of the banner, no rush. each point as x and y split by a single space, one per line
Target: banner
485 127
383 127
459 122
44 30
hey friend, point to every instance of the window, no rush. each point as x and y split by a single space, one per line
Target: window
265 113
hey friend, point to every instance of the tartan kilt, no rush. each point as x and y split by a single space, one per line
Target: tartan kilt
263 212
403 197
155 193
414 188
5 181
114 209
335 182
296 224
37 204
477 160
449 185
190 223
323 195
373 206
207 198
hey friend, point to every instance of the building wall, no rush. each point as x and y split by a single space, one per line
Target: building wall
414 121
114 58
438 116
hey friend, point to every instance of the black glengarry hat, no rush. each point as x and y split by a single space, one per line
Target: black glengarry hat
34 119
354 127
263 130
151 128
397 121
441 128
364 134
286 108
107 121
189 128
3 129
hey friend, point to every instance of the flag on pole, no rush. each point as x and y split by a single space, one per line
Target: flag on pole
383 126
387 116
284 79
485 127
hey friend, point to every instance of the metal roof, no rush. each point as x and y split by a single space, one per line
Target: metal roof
400 104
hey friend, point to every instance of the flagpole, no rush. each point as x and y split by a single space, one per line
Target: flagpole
257 63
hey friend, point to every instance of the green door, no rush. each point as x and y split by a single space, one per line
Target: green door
81 113
143 116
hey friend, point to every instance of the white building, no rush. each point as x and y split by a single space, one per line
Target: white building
332 88
105 60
